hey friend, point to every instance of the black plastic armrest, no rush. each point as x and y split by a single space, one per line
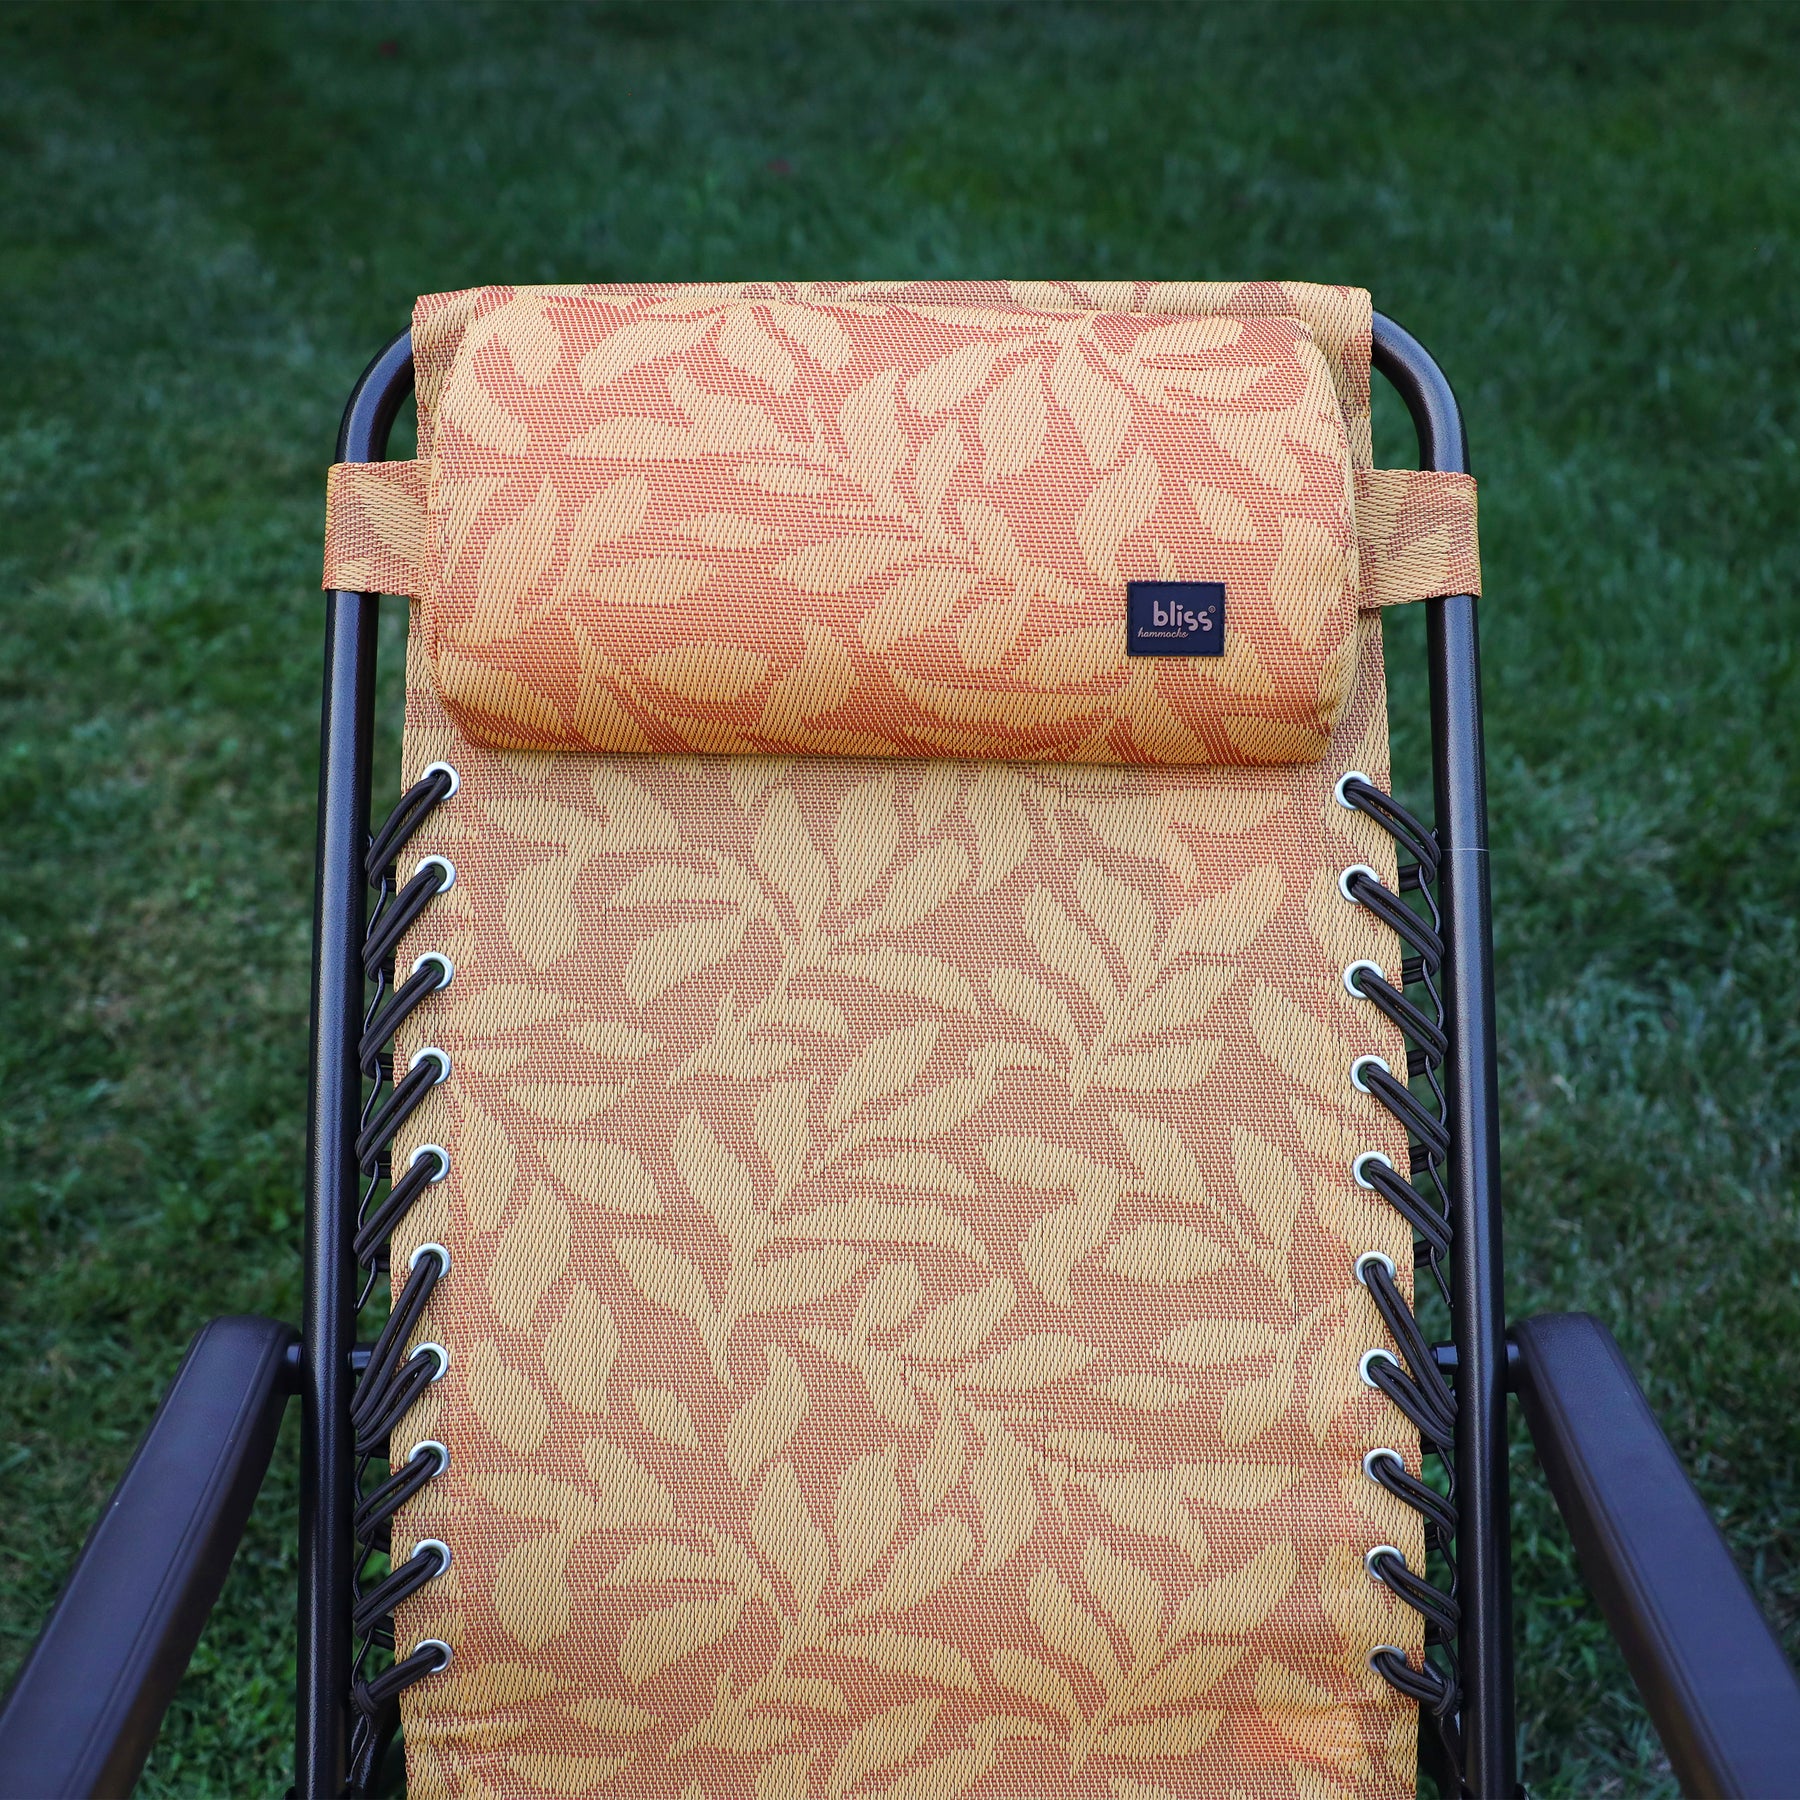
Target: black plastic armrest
1718 1689
86 1706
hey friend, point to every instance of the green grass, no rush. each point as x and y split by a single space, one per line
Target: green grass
213 215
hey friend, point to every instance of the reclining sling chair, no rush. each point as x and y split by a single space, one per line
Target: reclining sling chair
905 1072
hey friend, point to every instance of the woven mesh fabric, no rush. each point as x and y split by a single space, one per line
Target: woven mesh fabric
901 1314
840 521
1418 533
903 1337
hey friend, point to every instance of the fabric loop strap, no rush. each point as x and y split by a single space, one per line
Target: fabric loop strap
1416 528
375 528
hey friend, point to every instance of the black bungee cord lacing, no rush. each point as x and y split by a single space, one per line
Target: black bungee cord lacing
392 1380
1411 1380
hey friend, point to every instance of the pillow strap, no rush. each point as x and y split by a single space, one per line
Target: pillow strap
375 527
1416 529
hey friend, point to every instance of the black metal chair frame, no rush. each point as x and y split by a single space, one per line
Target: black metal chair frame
86 1705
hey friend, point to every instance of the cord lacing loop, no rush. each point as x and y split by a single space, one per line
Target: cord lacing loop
393 920
1367 982
1362 887
425 979
436 785
376 1509
395 1377
1428 1686
1387 1469
1411 1380
370 1699
1440 1612
425 1564
424 1170
1360 793
1428 1221
388 1119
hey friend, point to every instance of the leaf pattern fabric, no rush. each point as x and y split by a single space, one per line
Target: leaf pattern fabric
903 1338
902 1331
894 519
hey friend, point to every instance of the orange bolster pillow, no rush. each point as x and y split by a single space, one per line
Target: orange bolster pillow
662 520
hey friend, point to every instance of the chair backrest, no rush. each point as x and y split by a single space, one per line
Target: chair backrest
899 1257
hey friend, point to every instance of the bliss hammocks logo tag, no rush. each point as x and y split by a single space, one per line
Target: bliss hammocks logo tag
1174 618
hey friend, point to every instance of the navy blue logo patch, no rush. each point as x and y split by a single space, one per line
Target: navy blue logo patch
1174 618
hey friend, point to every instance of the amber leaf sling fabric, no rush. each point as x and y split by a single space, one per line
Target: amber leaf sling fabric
901 1325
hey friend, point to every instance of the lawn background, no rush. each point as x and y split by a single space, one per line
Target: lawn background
210 217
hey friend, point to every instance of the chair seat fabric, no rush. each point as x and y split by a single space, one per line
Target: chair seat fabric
902 1330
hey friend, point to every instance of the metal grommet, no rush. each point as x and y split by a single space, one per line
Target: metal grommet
1369 1356
450 770
441 1057
1368 1256
1338 791
440 1153
1389 1650
443 962
443 1551
438 1354
438 1644
1343 879
442 1453
1370 1458
1369 1156
449 868
1369 1557
443 1257
1357 1079
1355 969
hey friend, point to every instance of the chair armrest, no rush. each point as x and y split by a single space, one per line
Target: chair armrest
88 1702
1718 1689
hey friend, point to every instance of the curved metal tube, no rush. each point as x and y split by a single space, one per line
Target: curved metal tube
1483 1549
328 1316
